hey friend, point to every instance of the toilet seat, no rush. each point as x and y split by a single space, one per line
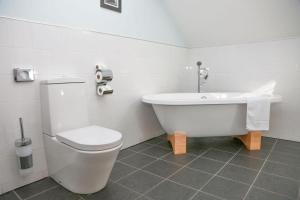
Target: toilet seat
91 138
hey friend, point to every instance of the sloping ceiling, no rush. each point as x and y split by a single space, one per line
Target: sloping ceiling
222 22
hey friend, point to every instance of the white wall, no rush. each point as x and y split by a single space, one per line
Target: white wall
245 67
139 68
213 22
143 19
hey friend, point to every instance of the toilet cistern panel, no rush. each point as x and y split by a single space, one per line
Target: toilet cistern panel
64 105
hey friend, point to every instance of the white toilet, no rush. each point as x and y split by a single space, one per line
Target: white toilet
80 157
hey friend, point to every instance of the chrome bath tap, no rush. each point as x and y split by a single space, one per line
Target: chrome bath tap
202 75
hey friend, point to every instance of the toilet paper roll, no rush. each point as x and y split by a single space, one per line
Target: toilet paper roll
103 75
98 76
104 89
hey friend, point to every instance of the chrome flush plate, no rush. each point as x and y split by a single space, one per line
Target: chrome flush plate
23 75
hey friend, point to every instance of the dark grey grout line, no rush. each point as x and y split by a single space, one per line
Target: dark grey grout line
137 169
123 163
288 154
215 159
17 195
225 164
152 156
291 179
199 170
132 190
186 165
197 156
282 163
259 172
133 151
215 148
233 164
277 162
217 197
245 155
51 188
81 198
181 167
276 193
127 155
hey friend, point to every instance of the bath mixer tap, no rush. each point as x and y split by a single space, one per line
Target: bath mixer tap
202 75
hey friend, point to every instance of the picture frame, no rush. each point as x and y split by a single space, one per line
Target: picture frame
114 5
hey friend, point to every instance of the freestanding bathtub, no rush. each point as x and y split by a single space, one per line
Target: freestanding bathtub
202 114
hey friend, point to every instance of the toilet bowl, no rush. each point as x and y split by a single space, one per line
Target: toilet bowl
80 157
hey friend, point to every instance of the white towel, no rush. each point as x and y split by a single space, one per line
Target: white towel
258 113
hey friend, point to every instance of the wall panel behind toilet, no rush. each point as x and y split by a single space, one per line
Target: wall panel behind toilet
139 68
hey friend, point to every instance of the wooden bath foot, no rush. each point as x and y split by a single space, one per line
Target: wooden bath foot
252 140
178 142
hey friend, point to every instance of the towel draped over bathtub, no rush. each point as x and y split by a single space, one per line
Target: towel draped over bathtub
258 113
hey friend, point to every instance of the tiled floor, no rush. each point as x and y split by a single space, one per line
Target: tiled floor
214 169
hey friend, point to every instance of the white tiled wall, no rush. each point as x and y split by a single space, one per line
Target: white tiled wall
139 68
245 67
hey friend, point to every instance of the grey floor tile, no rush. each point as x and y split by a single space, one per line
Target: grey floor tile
238 173
138 160
205 196
266 146
196 148
291 160
143 198
226 189
248 162
261 154
140 181
113 192
163 137
125 153
204 141
287 149
156 151
190 177
58 193
171 191
182 159
228 144
120 170
287 143
277 184
218 155
162 168
155 140
268 140
206 165
165 144
258 194
140 147
282 170
8 196
36 187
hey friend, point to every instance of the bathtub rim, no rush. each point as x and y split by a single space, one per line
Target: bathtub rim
160 99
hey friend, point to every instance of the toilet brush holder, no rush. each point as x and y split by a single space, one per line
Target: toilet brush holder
24 152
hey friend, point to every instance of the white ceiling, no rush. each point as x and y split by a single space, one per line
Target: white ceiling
222 22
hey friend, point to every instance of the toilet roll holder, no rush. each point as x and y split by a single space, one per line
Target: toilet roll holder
103 75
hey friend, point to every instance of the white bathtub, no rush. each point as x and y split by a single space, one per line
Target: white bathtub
202 114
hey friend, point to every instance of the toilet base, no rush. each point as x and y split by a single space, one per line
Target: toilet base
81 172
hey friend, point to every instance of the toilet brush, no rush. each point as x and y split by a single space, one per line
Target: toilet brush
24 152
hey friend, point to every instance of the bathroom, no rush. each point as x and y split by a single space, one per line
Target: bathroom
147 48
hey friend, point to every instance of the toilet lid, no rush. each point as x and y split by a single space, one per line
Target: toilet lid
91 138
